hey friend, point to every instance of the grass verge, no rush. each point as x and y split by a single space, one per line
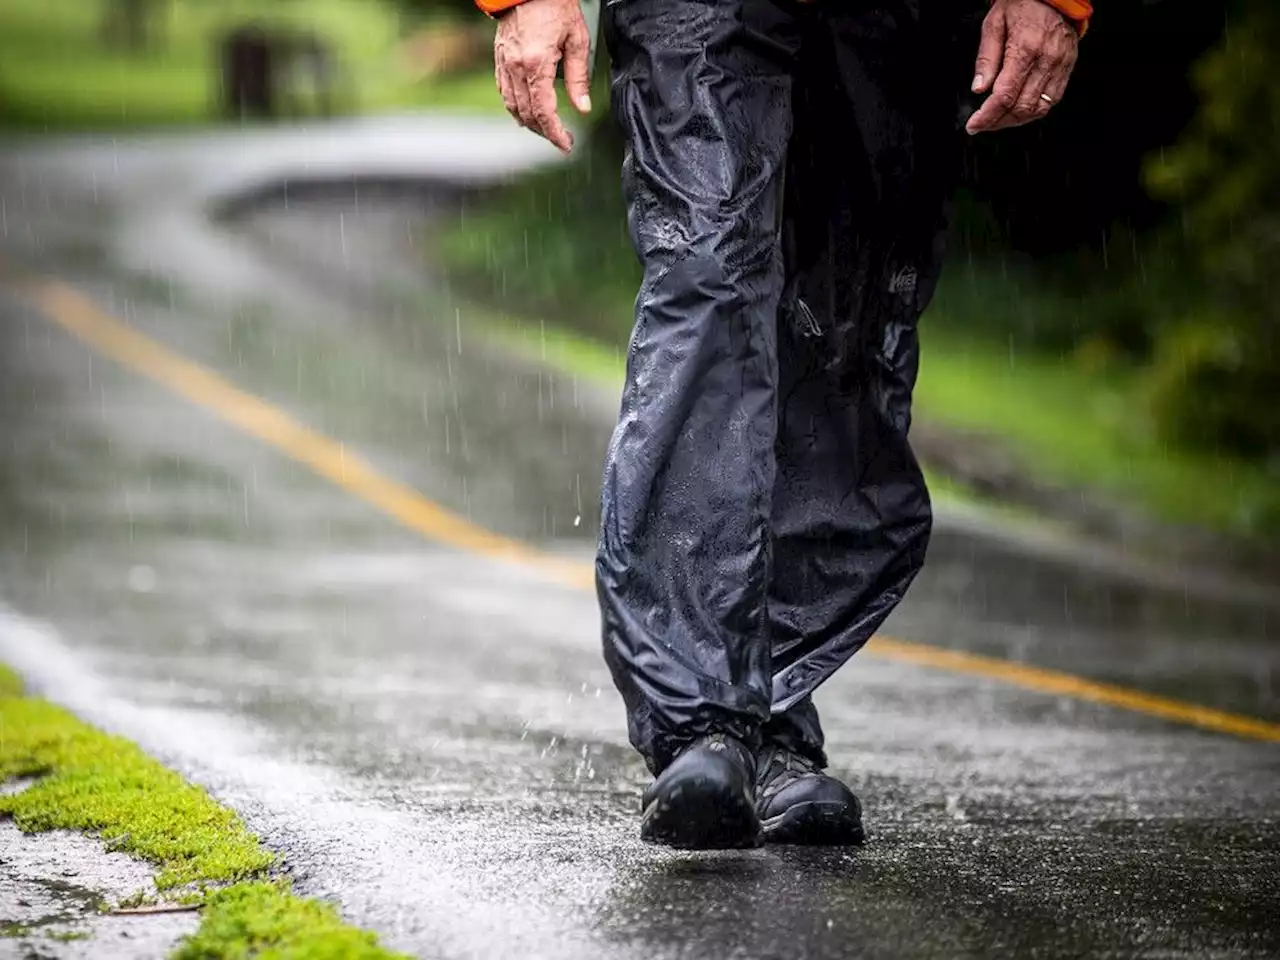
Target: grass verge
56 74
554 245
1091 431
89 781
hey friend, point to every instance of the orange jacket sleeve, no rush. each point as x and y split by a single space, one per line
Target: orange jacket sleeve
492 8
1078 12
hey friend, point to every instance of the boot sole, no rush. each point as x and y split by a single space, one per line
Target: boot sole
816 824
704 816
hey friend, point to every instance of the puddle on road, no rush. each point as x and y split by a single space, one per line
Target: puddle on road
53 888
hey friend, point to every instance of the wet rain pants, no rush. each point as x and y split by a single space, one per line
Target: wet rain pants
788 176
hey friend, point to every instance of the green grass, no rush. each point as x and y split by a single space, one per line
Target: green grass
554 246
1091 430
467 92
56 74
93 782
10 686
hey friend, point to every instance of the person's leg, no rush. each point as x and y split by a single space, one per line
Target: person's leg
874 159
702 91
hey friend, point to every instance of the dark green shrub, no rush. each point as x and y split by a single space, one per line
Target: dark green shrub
1210 389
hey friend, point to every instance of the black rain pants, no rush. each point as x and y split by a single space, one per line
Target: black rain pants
788 176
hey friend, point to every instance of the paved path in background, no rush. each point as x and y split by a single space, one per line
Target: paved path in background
428 733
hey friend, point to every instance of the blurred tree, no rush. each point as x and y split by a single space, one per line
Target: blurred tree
1220 385
134 25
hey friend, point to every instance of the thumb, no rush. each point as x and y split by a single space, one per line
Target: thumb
990 50
575 69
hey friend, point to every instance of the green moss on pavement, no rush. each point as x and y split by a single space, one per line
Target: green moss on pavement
68 936
90 781
264 920
94 782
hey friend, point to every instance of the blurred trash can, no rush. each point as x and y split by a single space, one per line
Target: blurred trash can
266 73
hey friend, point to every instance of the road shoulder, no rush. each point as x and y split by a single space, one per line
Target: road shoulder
70 778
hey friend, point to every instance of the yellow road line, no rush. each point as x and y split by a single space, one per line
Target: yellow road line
1061 684
80 316
332 460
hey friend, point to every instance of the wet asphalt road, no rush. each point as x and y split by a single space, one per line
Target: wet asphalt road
429 736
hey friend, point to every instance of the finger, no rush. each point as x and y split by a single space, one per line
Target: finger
993 110
1016 66
520 91
1060 76
542 96
1030 104
504 81
507 88
576 52
990 50
1048 80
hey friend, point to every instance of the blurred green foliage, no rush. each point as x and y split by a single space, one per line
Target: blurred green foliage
1217 379
1212 389
547 235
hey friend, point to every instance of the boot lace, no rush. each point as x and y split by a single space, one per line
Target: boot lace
779 768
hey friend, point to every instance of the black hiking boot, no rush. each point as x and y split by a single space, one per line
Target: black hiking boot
705 799
798 803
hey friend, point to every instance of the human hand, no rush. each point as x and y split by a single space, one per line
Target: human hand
1027 53
530 42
